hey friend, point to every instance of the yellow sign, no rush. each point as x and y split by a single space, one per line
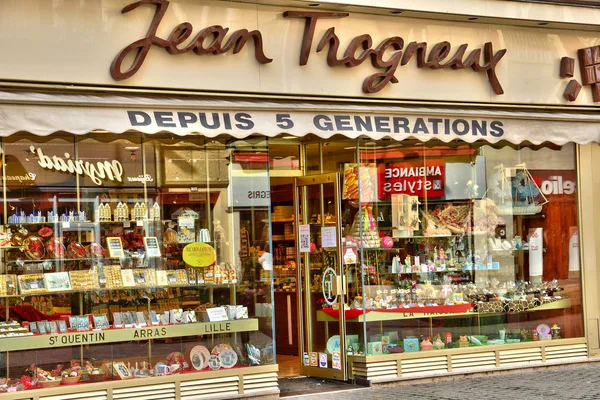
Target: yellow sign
199 254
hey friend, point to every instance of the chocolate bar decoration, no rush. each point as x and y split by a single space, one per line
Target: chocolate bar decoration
588 75
585 56
596 92
572 90
567 67
595 55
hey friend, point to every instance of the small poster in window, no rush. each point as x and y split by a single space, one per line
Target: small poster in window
304 238
186 232
328 236
152 247
115 247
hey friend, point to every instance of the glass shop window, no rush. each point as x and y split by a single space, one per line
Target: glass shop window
103 234
464 245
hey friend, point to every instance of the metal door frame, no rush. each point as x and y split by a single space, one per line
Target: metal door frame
305 315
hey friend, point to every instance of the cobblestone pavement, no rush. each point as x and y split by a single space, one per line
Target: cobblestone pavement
572 382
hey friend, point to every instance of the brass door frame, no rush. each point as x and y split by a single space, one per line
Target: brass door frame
304 313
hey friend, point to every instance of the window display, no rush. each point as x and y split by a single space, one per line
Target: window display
459 246
127 245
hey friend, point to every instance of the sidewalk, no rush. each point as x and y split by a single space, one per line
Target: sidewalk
573 382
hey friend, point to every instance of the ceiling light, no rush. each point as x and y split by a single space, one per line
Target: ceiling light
99 131
396 12
131 148
289 137
543 23
314 5
473 18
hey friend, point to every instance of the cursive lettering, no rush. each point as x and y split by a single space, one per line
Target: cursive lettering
361 48
214 34
97 172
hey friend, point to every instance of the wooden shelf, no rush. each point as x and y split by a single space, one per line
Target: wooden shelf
95 289
125 335
413 313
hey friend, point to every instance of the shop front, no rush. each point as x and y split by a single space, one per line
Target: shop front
188 204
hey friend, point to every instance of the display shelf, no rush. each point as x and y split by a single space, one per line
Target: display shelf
126 334
553 305
428 272
87 222
414 312
277 221
58 260
11 248
460 310
72 291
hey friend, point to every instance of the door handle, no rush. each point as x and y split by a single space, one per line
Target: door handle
338 285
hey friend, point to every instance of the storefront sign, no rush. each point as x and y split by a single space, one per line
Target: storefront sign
374 83
412 178
79 338
140 178
174 45
245 47
126 335
25 178
249 187
199 254
557 185
329 124
97 172
180 34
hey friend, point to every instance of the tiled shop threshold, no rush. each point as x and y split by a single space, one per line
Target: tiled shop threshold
298 386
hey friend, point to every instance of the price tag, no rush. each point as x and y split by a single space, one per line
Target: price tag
126 224
200 281
139 223
33 285
172 279
66 224
140 279
234 281
102 281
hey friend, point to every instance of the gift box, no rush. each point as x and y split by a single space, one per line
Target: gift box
411 344
393 337
374 348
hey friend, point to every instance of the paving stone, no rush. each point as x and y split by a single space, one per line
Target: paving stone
579 382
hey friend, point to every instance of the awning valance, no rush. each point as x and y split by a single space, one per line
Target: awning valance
45 113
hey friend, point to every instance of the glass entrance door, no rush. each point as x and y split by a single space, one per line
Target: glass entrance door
321 292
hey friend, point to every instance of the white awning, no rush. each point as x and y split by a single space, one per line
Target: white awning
45 113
